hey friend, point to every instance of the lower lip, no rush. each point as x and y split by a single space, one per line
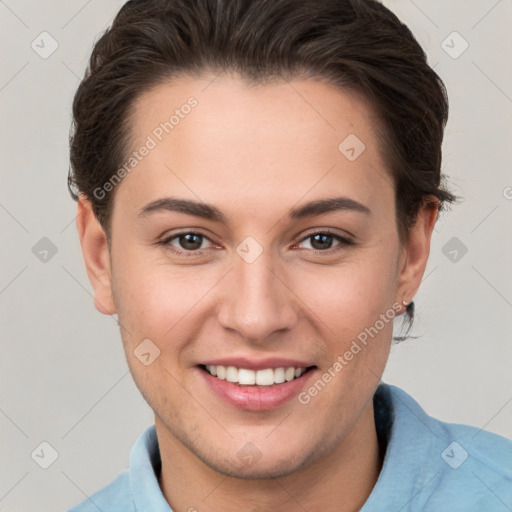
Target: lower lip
256 398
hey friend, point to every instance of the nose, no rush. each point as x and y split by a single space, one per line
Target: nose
258 301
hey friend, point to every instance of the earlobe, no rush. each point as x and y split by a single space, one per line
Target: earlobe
416 251
96 255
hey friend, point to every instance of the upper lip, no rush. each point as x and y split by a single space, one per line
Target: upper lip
258 364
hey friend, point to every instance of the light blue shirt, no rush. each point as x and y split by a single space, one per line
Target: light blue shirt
429 465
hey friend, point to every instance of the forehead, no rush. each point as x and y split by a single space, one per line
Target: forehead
222 131
308 109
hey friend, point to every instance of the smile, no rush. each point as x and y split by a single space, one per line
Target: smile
247 377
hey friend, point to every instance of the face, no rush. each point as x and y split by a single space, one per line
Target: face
255 280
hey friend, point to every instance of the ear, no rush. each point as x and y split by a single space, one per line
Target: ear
416 250
96 255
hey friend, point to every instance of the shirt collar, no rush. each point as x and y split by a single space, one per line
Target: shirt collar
406 469
402 428
145 466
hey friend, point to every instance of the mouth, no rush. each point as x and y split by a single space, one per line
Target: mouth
257 390
248 377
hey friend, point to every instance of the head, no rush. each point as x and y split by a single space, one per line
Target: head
309 136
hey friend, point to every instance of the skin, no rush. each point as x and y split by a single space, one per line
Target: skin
255 152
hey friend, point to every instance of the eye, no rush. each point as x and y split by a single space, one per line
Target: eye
189 241
322 241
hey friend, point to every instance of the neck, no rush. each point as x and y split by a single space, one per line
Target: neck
339 481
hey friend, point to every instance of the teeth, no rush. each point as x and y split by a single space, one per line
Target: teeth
265 377
245 377
221 372
231 374
279 375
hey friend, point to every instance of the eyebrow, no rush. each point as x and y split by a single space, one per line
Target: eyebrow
210 212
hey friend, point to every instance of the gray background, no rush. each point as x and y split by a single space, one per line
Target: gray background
64 378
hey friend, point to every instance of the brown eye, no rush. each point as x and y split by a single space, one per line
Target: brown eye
190 241
188 244
322 241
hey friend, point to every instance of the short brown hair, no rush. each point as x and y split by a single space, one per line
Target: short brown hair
357 45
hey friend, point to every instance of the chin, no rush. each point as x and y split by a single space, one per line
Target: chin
244 460
258 470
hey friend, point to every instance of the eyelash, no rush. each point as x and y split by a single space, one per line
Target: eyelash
343 242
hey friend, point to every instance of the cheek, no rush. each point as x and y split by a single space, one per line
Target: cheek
160 300
156 300
350 297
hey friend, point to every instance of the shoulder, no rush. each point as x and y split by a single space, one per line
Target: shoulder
477 466
115 497
135 488
462 467
485 448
